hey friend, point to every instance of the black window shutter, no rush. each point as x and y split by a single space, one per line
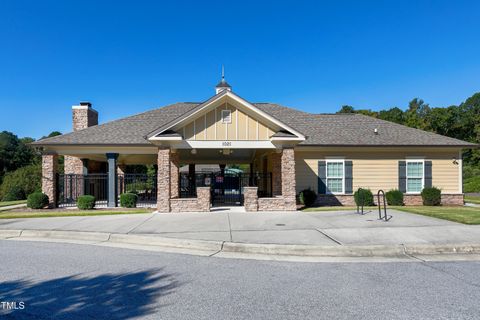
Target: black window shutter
428 174
402 176
322 177
348 177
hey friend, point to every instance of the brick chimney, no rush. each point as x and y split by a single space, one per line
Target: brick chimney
84 116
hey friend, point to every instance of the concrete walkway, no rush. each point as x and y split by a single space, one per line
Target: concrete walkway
334 228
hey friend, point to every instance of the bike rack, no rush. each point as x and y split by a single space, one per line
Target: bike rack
385 217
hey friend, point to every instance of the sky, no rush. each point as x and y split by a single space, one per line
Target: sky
127 57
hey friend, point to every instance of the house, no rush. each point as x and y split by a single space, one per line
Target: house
286 150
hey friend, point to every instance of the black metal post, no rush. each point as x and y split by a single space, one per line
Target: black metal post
112 179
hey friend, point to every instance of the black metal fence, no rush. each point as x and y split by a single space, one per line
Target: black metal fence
226 188
263 181
188 183
144 185
72 186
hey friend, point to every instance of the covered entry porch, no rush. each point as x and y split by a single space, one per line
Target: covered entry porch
179 180
262 179
225 130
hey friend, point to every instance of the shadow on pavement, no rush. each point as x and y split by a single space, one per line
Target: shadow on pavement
109 296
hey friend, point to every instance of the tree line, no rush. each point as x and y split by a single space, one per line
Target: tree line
460 122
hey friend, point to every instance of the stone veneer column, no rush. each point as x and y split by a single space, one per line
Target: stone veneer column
288 179
250 197
49 178
203 199
276 159
174 172
163 180
73 165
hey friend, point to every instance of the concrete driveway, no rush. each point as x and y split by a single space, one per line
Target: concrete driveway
320 228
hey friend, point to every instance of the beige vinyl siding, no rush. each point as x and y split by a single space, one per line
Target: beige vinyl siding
378 168
232 127
221 128
210 127
242 125
262 132
252 129
189 132
200 128
445 175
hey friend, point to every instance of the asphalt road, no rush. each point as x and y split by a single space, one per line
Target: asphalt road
70 281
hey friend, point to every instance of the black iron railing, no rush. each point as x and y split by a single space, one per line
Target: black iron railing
226 188
188 183
72 186
144 185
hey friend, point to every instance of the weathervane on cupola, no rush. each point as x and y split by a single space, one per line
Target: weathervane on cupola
222 85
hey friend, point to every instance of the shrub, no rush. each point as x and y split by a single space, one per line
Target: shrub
14 193
27 178
471 185
394 197
37 200
307 197
86 202
431 196
365 195
128 200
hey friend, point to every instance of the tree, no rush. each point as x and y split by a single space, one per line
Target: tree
27 179
52 134
416 114
394 114
346 109
442 120
13 153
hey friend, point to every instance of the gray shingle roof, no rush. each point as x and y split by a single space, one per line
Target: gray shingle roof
320 129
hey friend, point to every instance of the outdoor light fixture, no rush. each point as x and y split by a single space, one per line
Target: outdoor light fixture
454 160
194 151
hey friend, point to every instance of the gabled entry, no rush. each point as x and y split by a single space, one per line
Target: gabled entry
225 121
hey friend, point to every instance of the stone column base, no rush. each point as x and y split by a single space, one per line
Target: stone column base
250 199
199 204
408 199
277 204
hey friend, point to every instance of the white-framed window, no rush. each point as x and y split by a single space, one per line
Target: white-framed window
335 176
415 173
226 116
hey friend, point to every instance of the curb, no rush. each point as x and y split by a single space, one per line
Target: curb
215 247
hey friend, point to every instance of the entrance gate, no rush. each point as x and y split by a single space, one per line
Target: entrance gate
227 189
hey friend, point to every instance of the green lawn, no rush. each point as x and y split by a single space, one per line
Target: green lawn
472 199
11 203
466 215
336 208
66 213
